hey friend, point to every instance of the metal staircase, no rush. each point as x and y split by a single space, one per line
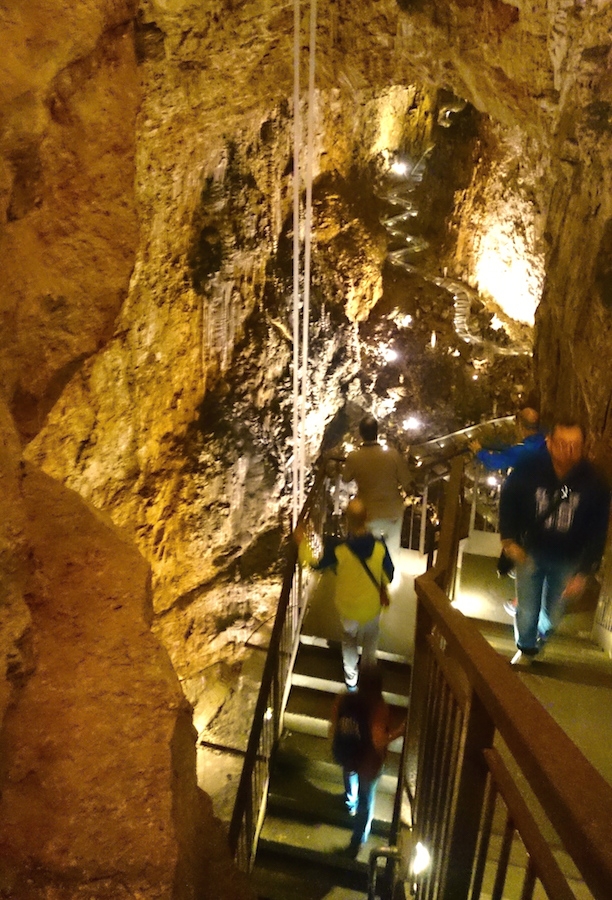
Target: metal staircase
508 805
306 828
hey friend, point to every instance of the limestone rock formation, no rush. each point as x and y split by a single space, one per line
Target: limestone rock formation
146 174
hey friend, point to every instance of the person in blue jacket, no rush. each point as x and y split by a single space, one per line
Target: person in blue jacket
554 510
530 440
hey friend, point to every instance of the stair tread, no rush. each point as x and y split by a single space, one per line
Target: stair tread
318 704
300 794
312 753
325 663
277 876
321 841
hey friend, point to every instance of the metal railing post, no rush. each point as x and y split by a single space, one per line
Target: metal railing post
422 536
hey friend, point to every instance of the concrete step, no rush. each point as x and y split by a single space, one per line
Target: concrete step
309 637
312 754
315 841
279 876
310 710
309 796
320 667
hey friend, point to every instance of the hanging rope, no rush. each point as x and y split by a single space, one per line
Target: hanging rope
300 373
297 137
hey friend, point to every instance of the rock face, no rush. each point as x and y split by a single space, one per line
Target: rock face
100 785
146 175
69 97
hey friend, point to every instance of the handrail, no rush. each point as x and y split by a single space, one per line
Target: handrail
251 795
491 700
250 802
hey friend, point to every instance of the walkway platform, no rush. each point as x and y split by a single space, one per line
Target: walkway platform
572 677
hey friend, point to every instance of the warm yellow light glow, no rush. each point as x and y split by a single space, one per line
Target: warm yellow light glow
389 112
388 354
507 267
492 481
421 859
412 423
403 321
399 168
433 339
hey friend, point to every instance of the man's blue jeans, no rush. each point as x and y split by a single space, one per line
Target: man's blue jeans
540 584
360 794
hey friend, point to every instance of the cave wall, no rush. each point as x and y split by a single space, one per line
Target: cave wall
98 787
145 179
69 97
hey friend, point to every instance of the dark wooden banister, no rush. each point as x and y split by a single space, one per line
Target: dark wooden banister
575 797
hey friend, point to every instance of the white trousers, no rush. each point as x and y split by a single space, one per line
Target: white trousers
352 632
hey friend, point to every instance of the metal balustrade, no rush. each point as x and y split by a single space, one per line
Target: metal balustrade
506 804
250 804
479 743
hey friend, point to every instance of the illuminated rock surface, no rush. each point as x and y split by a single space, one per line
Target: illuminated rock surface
145 187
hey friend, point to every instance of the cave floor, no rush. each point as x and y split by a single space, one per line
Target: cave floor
572 677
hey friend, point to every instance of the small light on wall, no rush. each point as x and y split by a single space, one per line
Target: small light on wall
421 859
404 321
399 168
433 339
474 377
412 424
492 481
269 714
388 353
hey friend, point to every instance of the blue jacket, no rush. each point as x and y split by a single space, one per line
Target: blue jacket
576 529
511 456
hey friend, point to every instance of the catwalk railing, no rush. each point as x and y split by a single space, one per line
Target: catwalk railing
506 804
322 514
250 804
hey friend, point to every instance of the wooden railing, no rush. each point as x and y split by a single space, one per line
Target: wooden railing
500 793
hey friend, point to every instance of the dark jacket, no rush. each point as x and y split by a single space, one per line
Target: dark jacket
575 531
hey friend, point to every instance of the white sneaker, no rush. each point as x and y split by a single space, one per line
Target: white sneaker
522 660
510 608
